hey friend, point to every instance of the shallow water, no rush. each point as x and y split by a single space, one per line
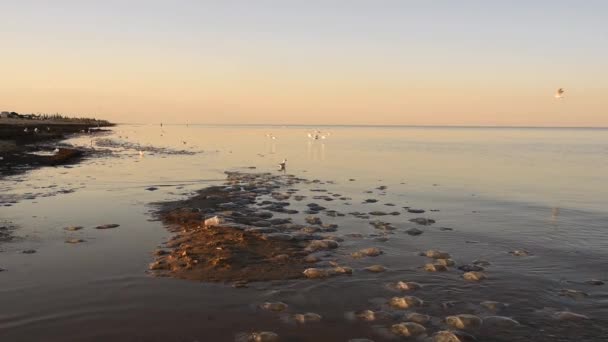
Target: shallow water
500 189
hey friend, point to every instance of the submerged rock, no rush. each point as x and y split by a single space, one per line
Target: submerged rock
452 336
595 282
574 294
435 268
500 322
308 317
569 316
493 306
407 286
263 336
435 254
470 268
29 251
315 273
418 318
366 315
423 221
108 226
274 306
73 228
445 262
370 252
408 329
464 322
405 302
474 276
375 268
74 240
520 252
414 231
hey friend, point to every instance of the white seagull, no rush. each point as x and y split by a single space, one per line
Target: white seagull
282 165
559 94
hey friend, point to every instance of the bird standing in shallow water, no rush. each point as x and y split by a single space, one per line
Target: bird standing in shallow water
282 165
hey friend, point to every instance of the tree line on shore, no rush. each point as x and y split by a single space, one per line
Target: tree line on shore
55 117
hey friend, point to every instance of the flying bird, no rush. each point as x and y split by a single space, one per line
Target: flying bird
559 94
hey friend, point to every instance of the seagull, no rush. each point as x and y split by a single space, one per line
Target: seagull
56 150
559 94
141 153
282 165
26 130
36 130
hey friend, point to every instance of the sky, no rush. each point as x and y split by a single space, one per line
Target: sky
308 62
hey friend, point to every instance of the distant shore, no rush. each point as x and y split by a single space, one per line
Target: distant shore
21 139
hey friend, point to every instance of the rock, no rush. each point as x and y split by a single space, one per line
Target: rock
274 306
371 200
370 252
408 329
317 245
418 318
431 253
240 284
375 268
446 229
452 336
73 228
470 268
341 270
414 231
378 213
29 251
415 211
595 282
152 188
482 263
500 322
108 226
407 286
315 273
157 265
366 315
569 316
263 336
405 302
308 317
311 259
435 268
464 322
423 221
474 276
360 340
493 306
314 220
74 241
574 294
445 262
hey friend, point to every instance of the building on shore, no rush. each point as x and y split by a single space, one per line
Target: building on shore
5 115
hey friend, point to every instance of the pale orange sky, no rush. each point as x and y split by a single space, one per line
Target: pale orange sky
431 64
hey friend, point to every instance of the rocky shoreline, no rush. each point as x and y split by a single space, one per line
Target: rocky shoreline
28 144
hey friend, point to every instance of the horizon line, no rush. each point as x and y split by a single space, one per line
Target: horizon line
363 125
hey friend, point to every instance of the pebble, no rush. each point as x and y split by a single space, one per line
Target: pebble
595 282
317 245
474 276
445 262
416 211
360 340
405 302
29 251
157 265
314 220
274 306
464 321
423 221
375 268
493 306
366 315
308 317
73 228
408 329
451 336
471 268
74 241
520 252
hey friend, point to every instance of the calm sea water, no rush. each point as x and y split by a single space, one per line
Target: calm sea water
544 190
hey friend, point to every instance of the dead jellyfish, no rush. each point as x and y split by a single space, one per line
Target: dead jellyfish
493 306
500 322
464 322
445 262
574 294
405 302
263 336
474 276
274 306
569 316
375 268
435 268
308 317
418 318
408 329
431 253
407 286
